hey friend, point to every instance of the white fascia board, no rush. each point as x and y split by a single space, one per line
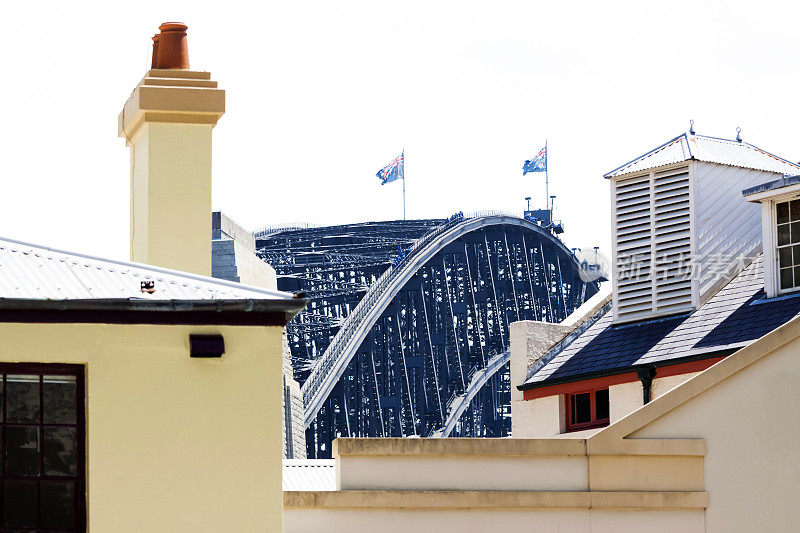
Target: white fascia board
782 193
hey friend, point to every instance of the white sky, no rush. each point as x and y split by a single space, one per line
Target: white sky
322 94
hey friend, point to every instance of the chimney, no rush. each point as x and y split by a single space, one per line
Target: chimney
167 123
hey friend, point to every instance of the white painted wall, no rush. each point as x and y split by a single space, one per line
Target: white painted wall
544 417
727 225
624 399
663 385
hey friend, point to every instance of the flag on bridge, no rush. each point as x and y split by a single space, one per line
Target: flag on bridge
393 171
537 164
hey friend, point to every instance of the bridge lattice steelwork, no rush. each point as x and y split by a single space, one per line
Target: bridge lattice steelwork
406 333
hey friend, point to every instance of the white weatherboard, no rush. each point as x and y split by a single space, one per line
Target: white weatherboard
680 232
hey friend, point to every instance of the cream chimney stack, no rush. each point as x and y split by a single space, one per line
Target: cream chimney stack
167 122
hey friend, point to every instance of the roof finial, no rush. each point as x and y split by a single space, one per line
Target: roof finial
691 127
739 135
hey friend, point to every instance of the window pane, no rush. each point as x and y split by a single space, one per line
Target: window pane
58 504
783 212
60 457
786 278
785 256
22 451
795 232
582 404
19 503
601 404
59 400
794 207
22 395
783 234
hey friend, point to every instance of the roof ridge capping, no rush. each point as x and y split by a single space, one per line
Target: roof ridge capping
709 149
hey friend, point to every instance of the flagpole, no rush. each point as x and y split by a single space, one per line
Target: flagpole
404 183
547 182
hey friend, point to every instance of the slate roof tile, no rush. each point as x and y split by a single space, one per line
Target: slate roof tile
737 314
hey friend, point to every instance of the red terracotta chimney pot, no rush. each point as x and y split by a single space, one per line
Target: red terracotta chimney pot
173 51
154 61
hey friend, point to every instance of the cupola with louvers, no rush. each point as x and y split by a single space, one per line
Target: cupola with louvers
680 227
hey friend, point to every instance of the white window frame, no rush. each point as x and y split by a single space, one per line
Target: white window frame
769 232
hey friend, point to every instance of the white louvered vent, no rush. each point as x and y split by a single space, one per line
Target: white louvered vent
653 245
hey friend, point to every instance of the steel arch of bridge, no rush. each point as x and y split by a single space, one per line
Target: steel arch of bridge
404 359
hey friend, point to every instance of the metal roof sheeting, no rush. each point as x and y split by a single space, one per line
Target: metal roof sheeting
710 149
36 272
309 474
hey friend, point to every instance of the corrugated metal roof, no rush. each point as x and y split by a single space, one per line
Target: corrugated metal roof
309 474
36 272
710 149
737 315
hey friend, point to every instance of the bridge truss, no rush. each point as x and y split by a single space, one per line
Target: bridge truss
406 333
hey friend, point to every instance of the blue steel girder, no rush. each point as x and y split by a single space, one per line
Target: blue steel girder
427 327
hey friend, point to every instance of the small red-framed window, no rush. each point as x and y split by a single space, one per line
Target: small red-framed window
587 409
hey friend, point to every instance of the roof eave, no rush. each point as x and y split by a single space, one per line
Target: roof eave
632 368
610 174
272 312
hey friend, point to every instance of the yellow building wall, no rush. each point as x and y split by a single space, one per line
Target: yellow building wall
479 485
171 196
482 521
751 428
173 443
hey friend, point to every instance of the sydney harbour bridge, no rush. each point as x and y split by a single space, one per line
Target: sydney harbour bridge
407 329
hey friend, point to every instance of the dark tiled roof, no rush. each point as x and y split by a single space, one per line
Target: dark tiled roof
735 316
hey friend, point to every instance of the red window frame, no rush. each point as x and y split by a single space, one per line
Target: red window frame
594 422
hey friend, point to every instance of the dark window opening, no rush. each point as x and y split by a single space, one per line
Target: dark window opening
42 435
587 410
788 231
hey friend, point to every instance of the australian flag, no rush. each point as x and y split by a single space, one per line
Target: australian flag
393 171
537 164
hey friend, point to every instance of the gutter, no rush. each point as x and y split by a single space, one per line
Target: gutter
240 312
709 354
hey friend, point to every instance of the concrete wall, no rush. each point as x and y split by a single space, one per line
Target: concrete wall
234 261
224 227
233 254
465 485
173 443
530 341
751 429
477 520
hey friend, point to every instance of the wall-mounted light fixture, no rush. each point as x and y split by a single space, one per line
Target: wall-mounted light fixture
206 345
